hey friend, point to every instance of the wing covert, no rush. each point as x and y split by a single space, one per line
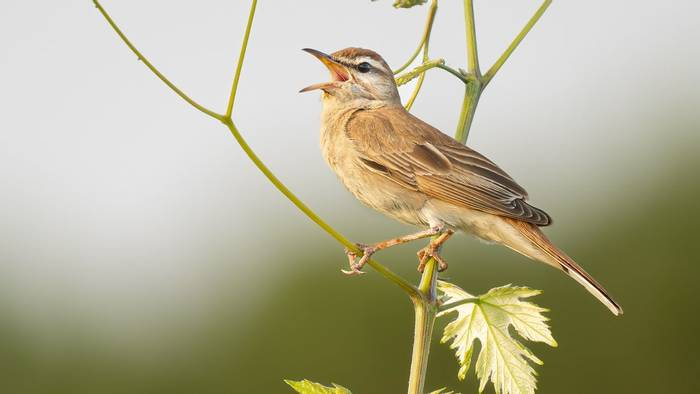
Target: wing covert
420 157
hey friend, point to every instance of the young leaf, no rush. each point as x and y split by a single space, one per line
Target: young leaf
308 387
408 3
502 358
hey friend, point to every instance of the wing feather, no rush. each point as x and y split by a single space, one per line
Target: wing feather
420 157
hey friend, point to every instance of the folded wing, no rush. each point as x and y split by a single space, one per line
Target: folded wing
423 158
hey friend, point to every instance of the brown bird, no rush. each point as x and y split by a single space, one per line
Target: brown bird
403 167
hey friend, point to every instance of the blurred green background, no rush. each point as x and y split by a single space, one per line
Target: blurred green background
141 253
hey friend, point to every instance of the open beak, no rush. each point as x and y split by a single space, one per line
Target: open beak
339 73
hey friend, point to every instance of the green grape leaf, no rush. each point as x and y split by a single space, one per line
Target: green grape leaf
502 359
408 3
309 387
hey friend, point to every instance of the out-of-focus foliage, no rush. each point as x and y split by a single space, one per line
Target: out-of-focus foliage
408 3
442 391
502 359
309 387
305 305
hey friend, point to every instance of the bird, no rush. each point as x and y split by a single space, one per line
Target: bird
401 166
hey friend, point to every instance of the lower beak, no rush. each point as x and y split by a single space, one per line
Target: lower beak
339 73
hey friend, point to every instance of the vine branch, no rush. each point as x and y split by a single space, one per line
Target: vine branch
241 58
472 53
227 120
477 82
152 68
426 44
516 41
425 37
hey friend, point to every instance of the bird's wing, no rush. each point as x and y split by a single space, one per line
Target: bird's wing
408 151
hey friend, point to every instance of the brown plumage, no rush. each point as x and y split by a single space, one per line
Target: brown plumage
422 158
403 167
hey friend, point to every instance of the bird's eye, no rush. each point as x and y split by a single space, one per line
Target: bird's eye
364 67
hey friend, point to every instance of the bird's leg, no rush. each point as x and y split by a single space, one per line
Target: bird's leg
369 250
432 250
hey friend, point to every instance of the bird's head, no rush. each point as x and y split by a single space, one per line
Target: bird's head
357 75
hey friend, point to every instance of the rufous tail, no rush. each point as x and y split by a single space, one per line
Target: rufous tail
555 257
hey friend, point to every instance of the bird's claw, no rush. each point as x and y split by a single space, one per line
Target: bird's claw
356 267
353 271
425 254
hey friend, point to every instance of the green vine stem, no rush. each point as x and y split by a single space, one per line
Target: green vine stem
514 44
241 58
152 68
227 120
424 296
436 63
432 10
425 37
427 306
472 94
425 311
472 91
477 82
470 28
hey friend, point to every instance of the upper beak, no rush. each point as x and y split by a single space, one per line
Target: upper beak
339 73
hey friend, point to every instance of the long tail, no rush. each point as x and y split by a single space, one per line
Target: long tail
551 255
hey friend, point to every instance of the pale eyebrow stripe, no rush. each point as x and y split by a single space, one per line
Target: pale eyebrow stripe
374 63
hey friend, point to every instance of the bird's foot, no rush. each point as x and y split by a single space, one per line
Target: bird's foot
426 253
355 264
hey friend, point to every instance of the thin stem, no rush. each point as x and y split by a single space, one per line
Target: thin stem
417 71
420 70
424 37
413 56
426 46
153 68
428 281
472 90
437 63
423 331
381 269
464 78
425 309
501 60
414 94
472 93
388 274
472 53
241 57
